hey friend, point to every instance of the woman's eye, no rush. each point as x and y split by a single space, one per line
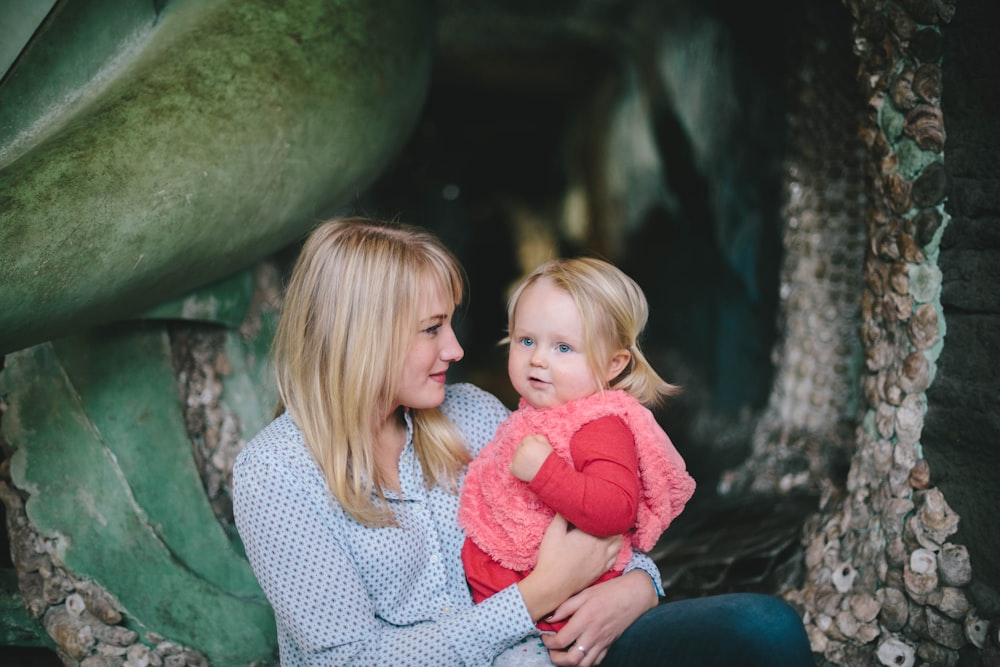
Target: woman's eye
432 330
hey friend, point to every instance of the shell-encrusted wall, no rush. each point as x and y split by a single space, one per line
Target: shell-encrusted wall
806 431
884 585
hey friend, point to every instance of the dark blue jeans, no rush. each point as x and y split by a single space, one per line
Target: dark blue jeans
744 629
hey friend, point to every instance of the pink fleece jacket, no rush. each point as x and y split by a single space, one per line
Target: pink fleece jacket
507 520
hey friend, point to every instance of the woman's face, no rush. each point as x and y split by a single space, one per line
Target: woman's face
433 348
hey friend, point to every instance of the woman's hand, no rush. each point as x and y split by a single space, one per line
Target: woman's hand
568 561
598 616
529 456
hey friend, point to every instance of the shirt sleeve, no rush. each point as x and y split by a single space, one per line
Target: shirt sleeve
599 492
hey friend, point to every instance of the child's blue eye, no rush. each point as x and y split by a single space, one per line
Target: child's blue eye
563 347
527 342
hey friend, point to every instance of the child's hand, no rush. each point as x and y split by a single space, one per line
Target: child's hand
529 456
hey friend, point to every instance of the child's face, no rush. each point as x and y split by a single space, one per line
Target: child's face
547 362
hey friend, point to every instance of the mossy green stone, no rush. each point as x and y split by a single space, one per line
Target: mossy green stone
196 141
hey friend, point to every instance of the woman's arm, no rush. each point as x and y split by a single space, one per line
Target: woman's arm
568 561
598 616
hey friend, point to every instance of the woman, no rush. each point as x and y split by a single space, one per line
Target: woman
347 502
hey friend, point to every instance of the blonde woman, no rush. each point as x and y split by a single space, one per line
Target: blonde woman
347 501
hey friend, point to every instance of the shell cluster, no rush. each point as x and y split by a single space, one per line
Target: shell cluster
83 620
883 583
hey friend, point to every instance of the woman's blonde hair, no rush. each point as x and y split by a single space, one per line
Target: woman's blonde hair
349 315
614 312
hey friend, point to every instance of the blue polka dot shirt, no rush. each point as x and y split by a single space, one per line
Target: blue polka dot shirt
347 594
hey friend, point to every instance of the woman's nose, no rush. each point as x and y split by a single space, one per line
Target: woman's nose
452 350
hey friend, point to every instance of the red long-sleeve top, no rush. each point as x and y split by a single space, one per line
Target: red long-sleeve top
598 493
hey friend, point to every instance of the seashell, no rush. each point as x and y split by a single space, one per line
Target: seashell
847 625
901 91
73 636
950 601
868 131
102 660
935 654
931 186
910 419
75 604
882 456
901 23
923 561
904 455
872 387
897 510
894 652
864 607
843 577
899 482
936 516
925 282
926 224
884 246
99 603
926 82
885 417
920 474
899 277
888 164
944 630
828 602
911 251
898 306
894 611
923 327
915 373
879 356
899 190
818 641
824 623
115 635
867 633
139 655
954 565
975 629
894 578
925 125
919 586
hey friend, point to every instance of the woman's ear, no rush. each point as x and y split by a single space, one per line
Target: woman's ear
619 362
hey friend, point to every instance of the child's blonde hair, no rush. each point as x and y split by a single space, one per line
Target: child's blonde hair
349 315
614 312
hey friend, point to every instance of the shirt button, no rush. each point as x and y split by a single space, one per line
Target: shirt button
435 558
417 507
446 609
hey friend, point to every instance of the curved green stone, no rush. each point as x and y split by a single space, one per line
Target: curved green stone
144 154
101 449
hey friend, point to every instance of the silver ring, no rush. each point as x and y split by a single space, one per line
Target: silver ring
582 649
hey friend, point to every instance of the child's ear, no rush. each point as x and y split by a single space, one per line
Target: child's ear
619 362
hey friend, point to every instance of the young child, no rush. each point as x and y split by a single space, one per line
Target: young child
582 442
